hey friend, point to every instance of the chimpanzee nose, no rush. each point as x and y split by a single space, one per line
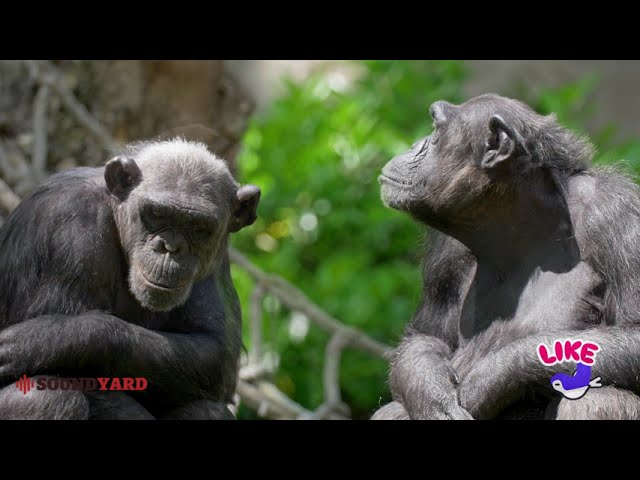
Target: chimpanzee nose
167 243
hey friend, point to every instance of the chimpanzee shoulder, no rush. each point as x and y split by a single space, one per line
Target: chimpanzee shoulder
608 230
61 234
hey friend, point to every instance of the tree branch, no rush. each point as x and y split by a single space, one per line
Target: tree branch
8 199
331 372
255 323
294 299
53 79
16 170
39 155
269 401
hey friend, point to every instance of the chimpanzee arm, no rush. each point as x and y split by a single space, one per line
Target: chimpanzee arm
422 378
198 364
424 381
504 376
108 346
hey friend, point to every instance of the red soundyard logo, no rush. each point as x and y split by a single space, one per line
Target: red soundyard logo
25 384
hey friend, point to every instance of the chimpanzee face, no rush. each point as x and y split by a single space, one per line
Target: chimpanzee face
175 205
451 171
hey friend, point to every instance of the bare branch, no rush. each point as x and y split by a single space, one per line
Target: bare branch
294 299
328 411
8 199
331 372
83 117
253 371
34 67
39 155
53 79
266 399
255 323
15 170
269 401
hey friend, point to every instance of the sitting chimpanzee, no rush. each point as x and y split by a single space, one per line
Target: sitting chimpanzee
530 244
123 271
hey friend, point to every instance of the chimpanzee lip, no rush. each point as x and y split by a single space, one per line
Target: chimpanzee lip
395 181
157 286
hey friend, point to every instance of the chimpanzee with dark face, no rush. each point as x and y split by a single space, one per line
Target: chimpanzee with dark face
123 271
530 244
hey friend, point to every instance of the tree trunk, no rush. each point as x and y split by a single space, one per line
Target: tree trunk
196 99
128 100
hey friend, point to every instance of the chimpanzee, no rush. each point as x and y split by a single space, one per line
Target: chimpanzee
123 271
529 244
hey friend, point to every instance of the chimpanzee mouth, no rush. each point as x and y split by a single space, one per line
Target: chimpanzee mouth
158 286
395 181
390 175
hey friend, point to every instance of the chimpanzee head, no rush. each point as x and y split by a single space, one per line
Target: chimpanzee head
174 204
478 154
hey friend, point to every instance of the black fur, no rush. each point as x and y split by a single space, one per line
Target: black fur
76 260
534 245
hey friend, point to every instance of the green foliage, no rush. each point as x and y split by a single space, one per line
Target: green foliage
316 153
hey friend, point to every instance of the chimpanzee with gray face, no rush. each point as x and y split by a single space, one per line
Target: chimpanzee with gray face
122 271
530 244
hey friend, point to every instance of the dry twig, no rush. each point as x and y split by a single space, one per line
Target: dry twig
50 76
8 199
39 155
295 300
342 337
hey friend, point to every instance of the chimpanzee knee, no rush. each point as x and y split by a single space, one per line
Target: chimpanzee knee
606 403
391 411
201 410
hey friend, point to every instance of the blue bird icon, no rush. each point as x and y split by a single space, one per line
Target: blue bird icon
575 386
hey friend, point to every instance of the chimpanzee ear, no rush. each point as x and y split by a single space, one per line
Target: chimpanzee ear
122 174
504 144
245 212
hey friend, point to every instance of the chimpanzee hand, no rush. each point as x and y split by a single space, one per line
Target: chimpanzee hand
479 391
42 344
98 342
497 381
424 380
438 399
24 350
507 375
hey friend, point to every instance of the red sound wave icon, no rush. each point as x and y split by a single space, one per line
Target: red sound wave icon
25 384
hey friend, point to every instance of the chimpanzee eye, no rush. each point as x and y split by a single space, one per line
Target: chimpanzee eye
202 232
155 213
153 216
